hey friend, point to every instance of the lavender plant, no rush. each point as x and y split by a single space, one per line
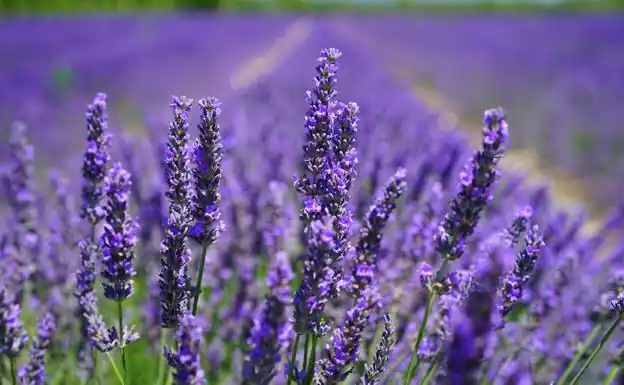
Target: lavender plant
435 282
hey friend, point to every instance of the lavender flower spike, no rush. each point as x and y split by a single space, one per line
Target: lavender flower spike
12 334
319 275
518 226
174 279
475 192
119 237
384 349
33 373
313 293
21 182
93 327
95 161
344 347
207 156
272 328
513 284
339 184
207 174
185 361
319 134
371 232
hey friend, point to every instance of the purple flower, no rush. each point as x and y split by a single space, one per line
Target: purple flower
513 284
93 327
344 137
272 328
319 130
371 232
64 221
119 237
23 198
174 278
33 373
339 180
426 274
476 185
472 330
95 161
385 346
12 335
617 303
519 225
186 359
208 152
344 346
318 276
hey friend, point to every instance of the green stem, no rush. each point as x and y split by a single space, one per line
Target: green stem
597 349
586 344
200 277
13 371
414 360
312 362
161 358
94 353
3 369
122 343
96 366
430 372
293 358
306 347
115 369
613 373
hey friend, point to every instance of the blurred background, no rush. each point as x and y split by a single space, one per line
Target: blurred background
556 66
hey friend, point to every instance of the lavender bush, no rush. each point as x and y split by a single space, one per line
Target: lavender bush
392 256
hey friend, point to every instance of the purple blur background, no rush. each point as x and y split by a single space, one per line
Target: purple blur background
561 78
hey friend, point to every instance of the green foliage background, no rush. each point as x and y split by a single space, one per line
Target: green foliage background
8 7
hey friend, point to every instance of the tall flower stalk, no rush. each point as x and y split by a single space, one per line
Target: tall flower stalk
94 167
174 278
272 329
373 372
33 373
174 281
461 220
318 274
117 244
207 156
23 198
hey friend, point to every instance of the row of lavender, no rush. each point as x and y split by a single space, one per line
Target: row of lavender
560 77
50 66
408 259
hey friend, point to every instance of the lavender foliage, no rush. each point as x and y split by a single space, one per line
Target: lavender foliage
527 296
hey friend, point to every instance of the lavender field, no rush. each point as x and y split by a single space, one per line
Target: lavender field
560 76
228 200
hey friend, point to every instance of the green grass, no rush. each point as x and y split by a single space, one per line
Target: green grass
73 6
